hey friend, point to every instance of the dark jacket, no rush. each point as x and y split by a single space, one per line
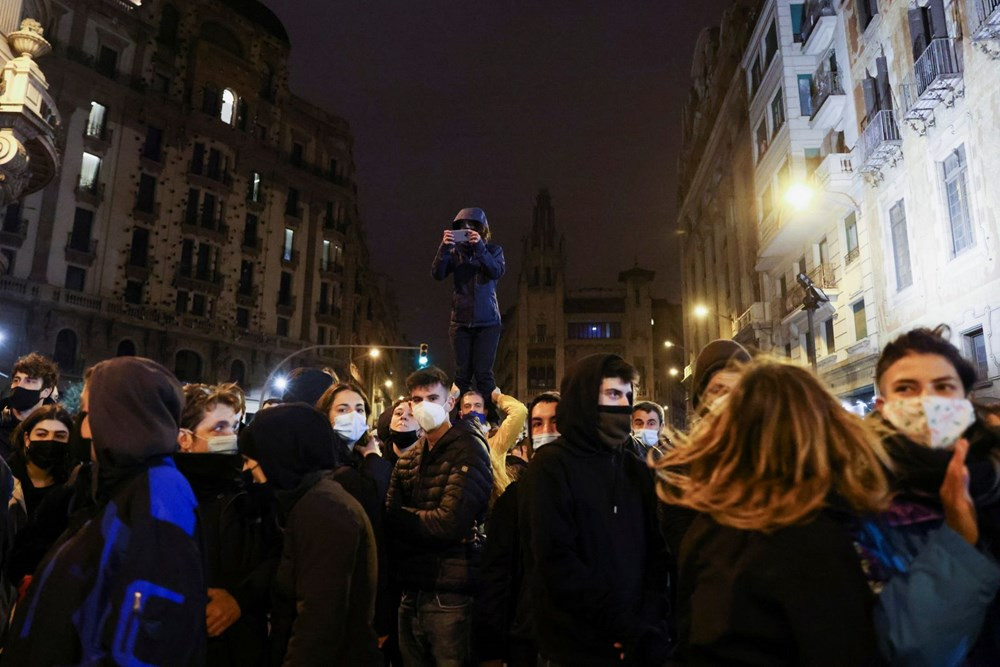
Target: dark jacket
595 560
501 576
436 511
477 270
241 545
796 596
127 586
324 589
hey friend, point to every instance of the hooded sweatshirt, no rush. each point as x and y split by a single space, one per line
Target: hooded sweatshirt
476 269
595 561
324 590
127 587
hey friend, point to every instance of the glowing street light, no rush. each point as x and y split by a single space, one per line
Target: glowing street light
388 384
700 311
799 196
668 343
674 372
281 383
374 353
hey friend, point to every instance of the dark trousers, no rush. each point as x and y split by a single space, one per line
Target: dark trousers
475 350
435 629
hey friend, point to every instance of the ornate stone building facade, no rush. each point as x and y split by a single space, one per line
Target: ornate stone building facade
205 216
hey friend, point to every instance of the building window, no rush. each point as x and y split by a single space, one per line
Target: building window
321 335
76 277
325 259
198 305
282 326
11 257
97 120
770 44
204 262
851 233
243 318
900 245
65 351
107 62
762 138
289 244
797 12
285 289
814 158
866 10
228 111
783 286
805 95
246 278
182 302
593 330
860 320
297 151
152 148
126 348
238 372
777 113
975 350
145 200
788 350
766 203
169 21
828 334
191 214
210 100
292 203
138 254
133 295
83 225
90 170
250 231
209 211
957 194
187 366
253 187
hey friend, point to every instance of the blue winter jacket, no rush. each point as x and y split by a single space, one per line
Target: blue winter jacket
935 592
476 269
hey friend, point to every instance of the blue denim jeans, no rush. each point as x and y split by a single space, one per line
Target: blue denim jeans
435 629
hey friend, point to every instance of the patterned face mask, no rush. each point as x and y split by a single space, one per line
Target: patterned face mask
933 421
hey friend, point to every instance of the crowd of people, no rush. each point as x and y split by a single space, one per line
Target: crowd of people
163 525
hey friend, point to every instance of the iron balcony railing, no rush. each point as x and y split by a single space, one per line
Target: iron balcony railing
824 85
938 61
879 138
812 13
985 19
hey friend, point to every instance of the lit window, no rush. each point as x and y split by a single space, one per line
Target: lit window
96 120
289 242
228 113
325 265
90 169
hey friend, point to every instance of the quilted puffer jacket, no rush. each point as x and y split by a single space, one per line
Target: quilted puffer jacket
436 512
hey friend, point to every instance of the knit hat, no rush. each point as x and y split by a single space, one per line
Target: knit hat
306 385
713 358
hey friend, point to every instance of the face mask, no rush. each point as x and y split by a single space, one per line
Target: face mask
543 439
648 436
79 446
614 424
429 415
350 426
222 444
46 454
933 421
478 415
403 439
22 399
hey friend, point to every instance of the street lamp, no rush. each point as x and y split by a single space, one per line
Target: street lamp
674 372
813 298
799 196
374 353
700 311
388 384
281 384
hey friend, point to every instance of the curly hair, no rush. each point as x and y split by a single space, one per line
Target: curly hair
200 399
36 365
780 451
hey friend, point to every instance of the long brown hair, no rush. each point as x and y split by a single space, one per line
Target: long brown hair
779 450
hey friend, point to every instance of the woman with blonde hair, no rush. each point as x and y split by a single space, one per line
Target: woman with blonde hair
768 571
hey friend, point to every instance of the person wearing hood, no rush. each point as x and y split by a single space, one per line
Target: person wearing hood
476 265
594 557
307 385
716 372
435 514
933 555
239 538
32 384
324 588
127 586
397 430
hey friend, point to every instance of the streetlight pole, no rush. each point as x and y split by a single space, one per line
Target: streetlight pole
811 301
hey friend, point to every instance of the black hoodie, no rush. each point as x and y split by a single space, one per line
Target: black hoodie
324 590
127 587
595 560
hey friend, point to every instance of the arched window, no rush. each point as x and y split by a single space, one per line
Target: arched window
228 113
169 20
65 351
126 348
238 372
187 366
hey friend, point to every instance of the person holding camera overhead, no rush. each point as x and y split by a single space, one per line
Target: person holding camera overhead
477 265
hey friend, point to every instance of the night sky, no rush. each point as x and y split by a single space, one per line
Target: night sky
456 104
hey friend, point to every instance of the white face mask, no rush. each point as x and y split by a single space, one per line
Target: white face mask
350 426
222 444
542 439
648 436
429 415
933 421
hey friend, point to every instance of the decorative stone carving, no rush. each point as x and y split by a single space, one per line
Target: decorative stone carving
28 41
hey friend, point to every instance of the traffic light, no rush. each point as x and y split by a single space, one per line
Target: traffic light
423 359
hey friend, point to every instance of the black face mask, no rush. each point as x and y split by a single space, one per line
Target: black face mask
47 454
614 424
79 446
403 439
22 399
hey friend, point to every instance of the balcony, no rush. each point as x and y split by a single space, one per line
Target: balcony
80 250
327 313
211 231
819 20
828 100
286 304
293 215
137 270
937 73
256 203
753 318
246 296
212 178
98 139
14 232
881 143
835 173
784 231
790 305
290 259
200 281
90 193
251 245
985 21
146 212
